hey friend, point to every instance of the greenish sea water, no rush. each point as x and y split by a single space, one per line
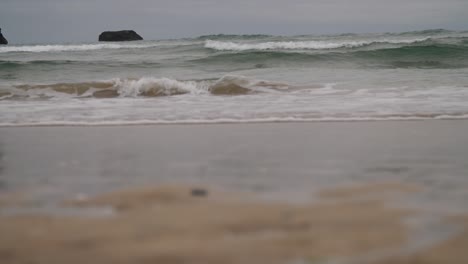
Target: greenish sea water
237 78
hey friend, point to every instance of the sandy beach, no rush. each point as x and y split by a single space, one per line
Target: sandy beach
171 225
233 132
344 192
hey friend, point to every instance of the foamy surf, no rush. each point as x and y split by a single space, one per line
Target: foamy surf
301 45
82 47
145 122
144 87
229 99
238 79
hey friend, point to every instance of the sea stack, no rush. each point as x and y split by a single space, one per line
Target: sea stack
3 40
122 35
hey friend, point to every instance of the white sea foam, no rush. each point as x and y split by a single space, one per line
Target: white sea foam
145 86
82 47
233 121
158 86
235 99
301 45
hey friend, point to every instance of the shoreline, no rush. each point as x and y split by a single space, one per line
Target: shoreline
235 122
270 158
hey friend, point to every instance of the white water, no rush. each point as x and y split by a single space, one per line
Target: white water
292 45
213 81
166 86
322 102
80 47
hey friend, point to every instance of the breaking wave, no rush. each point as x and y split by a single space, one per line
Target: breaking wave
145 87
302 45
82 47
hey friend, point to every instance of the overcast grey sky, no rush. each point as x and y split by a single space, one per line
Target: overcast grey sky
52 21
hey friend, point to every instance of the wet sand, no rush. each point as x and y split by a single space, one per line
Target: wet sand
362 192
284 160
171 225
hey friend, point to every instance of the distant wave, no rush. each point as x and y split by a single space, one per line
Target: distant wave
302 45
436 31
42 64
426 54
230 42
412 56
82 47
232 36
421 33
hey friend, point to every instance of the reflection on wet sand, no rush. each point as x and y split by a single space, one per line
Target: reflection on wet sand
2 183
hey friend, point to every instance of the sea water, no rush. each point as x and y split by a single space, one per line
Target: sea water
237 78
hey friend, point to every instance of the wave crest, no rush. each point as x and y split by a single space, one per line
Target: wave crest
146 87
426 55
82 47
156 87
302 45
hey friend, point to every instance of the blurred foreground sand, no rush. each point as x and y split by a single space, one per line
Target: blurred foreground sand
170 225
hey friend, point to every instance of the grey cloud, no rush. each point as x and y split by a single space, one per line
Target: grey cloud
27 21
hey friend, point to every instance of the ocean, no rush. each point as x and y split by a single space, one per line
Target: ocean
237 79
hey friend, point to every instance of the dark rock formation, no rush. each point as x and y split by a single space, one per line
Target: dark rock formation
123 35
3 40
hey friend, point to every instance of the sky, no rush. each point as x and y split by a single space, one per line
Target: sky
69 21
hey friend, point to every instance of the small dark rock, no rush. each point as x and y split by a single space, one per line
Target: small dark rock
199 192
3 40
123 35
